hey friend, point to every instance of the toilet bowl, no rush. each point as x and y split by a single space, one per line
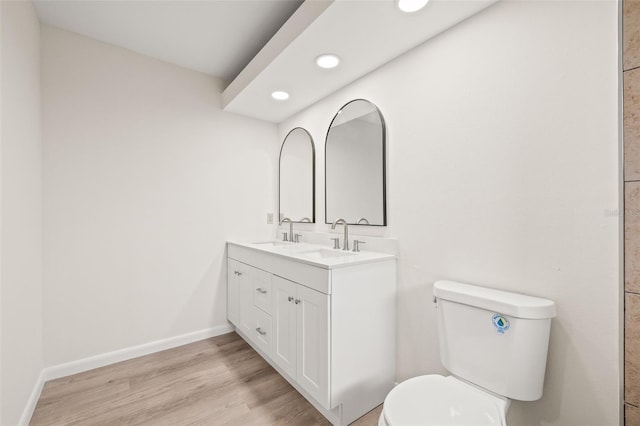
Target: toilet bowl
494 343
435 400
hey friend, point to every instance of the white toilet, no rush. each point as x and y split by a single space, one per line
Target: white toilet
494 343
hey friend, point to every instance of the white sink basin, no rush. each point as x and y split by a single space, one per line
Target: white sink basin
326 253
272 243
282 246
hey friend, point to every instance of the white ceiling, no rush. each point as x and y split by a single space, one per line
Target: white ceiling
258 46
366 34
211 36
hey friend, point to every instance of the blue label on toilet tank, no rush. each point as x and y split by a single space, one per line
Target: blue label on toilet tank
500 322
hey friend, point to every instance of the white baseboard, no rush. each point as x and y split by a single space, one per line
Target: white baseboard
86 364
32 401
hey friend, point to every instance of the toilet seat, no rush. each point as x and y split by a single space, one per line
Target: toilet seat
443 401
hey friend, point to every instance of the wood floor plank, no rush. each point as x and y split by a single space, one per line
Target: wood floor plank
217 381
369 419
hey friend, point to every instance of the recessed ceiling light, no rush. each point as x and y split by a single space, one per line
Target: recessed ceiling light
411 6
279 95
327 60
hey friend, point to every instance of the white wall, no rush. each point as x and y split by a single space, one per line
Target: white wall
502 165
21 209
145 179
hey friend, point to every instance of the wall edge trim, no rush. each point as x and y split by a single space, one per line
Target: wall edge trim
30 407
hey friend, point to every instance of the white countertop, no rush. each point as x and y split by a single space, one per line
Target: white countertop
315 254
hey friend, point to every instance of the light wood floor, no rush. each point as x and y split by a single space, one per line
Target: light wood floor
218 381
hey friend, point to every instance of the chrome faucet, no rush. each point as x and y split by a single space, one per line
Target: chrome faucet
286 219
361 220
345 246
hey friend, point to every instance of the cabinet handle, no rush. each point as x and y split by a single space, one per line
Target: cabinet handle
261 290
259 330
290 298
237 272
297 301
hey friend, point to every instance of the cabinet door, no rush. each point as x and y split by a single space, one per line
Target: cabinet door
313 343
245 292
233 291
284 324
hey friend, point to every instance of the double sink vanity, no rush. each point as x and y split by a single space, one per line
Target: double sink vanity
323 318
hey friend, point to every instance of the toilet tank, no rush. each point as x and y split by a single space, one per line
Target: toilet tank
495 339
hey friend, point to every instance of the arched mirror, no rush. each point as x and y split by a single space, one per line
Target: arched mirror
355 165
297 177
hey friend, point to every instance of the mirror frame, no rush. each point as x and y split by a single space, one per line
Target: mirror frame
313 176
384 163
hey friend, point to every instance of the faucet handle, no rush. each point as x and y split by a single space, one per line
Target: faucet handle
336 243
284 236
296 238
356 245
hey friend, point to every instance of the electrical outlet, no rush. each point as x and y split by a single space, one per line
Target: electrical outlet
270 218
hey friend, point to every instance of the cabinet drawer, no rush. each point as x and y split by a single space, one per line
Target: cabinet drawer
262 291
262 330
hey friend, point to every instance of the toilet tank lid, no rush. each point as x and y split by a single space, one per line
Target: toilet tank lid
503 302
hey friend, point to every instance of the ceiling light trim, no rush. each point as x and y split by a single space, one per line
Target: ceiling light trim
280 95
328 61
411 6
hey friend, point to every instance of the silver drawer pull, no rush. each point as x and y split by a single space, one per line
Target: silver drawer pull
237 272
261 290
297 301
259 330
290 298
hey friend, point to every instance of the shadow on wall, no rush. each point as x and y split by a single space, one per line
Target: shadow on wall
416 333
212 284
221 287
547 409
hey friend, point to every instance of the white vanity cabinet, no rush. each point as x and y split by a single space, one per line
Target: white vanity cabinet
328 326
